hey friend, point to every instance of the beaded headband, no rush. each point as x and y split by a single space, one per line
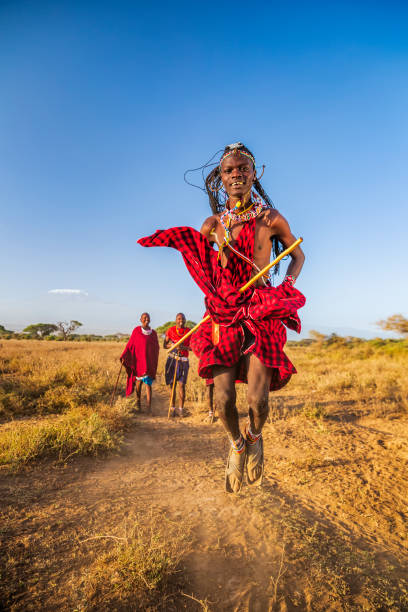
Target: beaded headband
235 149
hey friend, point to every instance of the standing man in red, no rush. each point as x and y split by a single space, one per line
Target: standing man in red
140 359
177 359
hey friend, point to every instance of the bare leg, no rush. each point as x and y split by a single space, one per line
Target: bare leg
211 397
225 398
259 378
182 394
149 398
210 417
138 391
172 400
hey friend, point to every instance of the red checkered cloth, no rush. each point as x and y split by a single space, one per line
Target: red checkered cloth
250 322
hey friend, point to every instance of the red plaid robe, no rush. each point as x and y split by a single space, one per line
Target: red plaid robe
263 311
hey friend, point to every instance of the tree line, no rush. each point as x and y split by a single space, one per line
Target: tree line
64 330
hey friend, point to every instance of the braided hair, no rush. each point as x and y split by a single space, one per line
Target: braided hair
213 184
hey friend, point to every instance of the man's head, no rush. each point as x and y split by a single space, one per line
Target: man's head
180 320
236 175
145 320
237 171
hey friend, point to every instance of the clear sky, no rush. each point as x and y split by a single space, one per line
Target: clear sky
104 105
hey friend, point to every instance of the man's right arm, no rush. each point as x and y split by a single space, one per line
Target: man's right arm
208 227
167 342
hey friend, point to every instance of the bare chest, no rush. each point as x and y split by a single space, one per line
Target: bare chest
262 244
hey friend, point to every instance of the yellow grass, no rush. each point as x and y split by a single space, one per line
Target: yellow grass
71 383
75 381
335 441
137 568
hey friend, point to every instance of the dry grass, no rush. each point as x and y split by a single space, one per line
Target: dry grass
336 441
78 431
39 378
54 401
142 570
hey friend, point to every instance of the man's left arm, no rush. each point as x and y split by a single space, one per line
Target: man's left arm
280 228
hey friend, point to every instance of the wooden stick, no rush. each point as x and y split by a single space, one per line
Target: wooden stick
270 265
116 386
176 358
244 287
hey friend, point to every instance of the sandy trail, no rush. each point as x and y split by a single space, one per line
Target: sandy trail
243 554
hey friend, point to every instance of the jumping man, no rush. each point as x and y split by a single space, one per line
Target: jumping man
244 340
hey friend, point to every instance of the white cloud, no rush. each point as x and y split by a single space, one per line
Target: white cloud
68 291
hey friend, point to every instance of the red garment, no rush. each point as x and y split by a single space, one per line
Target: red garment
259 314
140 356
175 335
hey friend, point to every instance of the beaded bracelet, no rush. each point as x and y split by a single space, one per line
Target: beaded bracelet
289 279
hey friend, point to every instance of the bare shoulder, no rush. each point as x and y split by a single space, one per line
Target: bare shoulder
208 225
273 218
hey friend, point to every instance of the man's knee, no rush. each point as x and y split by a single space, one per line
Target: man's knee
225 400
258 403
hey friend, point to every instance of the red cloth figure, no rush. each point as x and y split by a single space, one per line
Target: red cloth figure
176 334
250 322
140 356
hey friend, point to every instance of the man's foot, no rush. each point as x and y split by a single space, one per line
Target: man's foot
234 471
209 418
172 412
255 458
134 406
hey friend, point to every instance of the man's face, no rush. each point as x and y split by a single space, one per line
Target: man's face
145 320
237 175
180 320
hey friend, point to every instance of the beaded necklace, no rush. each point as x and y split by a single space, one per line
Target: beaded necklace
253 210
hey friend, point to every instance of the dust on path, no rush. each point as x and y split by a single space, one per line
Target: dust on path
243 555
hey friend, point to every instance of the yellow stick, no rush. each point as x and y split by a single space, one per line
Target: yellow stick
270 265
244 287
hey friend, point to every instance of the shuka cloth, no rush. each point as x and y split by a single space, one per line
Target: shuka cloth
140 357
182 370
173 334
250 322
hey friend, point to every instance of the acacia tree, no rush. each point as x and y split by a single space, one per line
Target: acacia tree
317 336
396 323
66 329
39 330
5 333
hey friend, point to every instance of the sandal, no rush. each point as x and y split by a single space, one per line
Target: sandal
255 458
235 467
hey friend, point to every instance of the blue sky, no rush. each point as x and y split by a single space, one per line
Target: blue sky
104 105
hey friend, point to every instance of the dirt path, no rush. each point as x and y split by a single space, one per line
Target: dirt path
332 498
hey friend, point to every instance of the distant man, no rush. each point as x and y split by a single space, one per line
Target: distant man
140 359
177 363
